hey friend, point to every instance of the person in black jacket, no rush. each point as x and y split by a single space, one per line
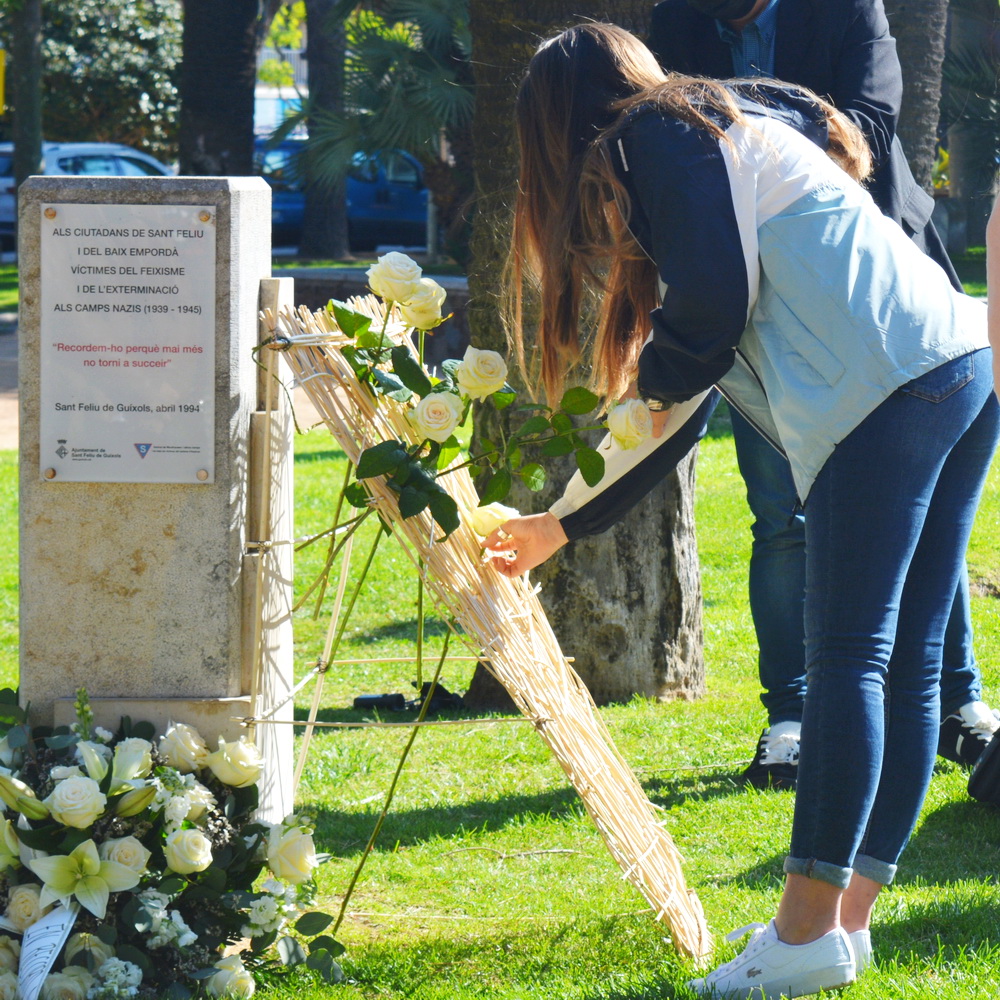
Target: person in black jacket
842 50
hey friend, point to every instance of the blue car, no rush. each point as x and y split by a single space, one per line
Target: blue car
386 197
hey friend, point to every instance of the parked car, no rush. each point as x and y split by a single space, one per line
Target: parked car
91 159
386 197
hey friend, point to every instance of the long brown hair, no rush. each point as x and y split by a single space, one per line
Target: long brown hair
570 232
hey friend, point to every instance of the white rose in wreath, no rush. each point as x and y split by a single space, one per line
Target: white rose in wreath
483 520
59 986
232 980
10 952
236 764
437 415
127 851
422 310
76 802
24 906
183 748
187 851
133 759
8 985
394 277
291 854
630 423
481 373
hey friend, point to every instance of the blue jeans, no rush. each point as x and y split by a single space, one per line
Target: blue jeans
777 589
888 521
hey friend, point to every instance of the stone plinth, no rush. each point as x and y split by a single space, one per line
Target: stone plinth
144 592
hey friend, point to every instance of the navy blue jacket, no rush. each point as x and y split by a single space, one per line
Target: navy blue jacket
842 50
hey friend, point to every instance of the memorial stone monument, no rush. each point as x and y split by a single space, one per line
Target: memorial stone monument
147 497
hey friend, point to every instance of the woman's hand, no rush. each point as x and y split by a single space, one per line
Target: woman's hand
532 539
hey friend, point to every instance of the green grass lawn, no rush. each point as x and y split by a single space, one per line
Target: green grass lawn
490 881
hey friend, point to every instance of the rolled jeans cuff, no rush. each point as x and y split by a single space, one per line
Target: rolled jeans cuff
878 871
822 870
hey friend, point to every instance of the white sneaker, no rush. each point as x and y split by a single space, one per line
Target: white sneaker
861 945
965 734
768 969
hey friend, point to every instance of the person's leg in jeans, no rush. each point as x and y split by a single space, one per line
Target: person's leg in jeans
777 591
887 524
967 724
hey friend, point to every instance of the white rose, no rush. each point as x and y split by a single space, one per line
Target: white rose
132 759
183 747
200 799
90 943
76 802
58 986
126 851
8 985
232 980
483 520
7 755
236 764
422 309
481 373
23 906
395 277
291 854
437 415
79 973
10 952
630 423
188 851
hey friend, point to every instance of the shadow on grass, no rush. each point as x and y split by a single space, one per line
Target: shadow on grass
345 833
701 787
956 842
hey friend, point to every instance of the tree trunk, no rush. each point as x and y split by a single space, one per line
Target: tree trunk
633 626
324 228
27 91
218 76
972 145
919 29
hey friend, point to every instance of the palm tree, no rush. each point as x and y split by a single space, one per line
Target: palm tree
635 626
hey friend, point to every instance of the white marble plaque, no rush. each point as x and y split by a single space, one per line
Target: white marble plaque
127 343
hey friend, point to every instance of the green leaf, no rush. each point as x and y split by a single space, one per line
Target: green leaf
313 923
412 500
262 943
360 361
326 942
46 838
356 495
578 400
445 510
534 476
290 951
18 737
143 731
390 385
410 372
591 465
203 973
561 423
323 963
561 445
177 991
497 488
502 399
8 696
448 452
351 323
61 742
381 459
532 426
171 885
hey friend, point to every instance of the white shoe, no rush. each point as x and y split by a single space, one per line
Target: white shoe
861 945
768 969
